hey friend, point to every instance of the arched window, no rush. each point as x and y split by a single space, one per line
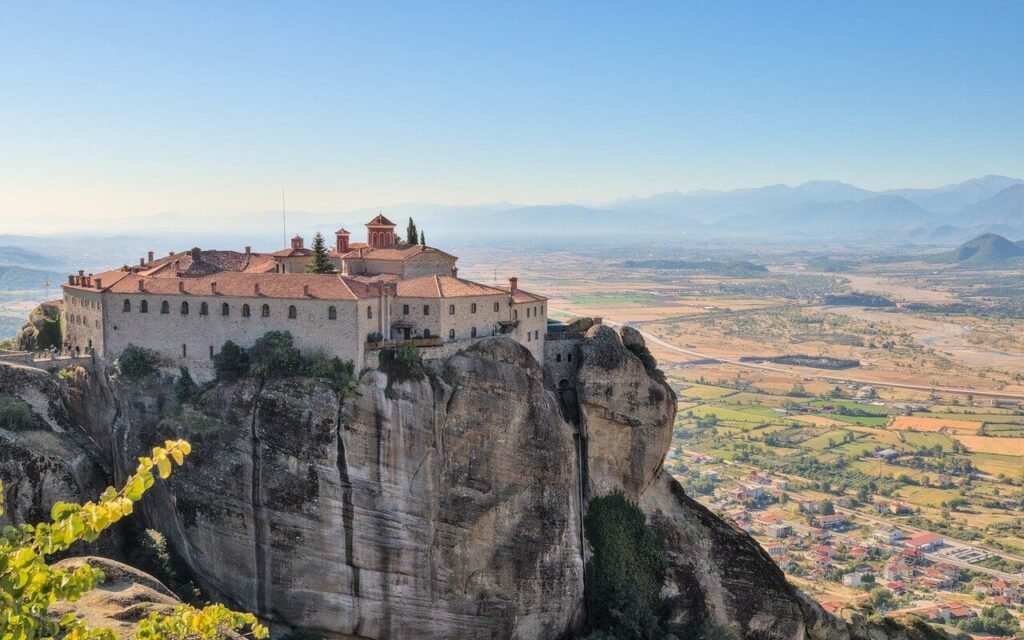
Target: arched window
144 307
451 334
245 311
426 333
369 313
225 309
426 309
204 309
184 308
184 351
405 309
528 336
451 309
332 313
515 314
472 308
127 306
497 307
165 307
558 357
292 312
568 357
266 311
472 332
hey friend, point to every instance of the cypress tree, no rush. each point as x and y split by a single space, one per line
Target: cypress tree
318 262
423 239
411 236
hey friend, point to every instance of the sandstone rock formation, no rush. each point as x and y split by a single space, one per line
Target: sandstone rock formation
445 507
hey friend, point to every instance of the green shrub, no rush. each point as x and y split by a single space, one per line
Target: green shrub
185 388
274 355
626 572
16 414
136 363
231 363
340 375
402 364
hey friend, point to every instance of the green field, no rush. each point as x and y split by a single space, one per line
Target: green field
919 439
821 442
705 392
869 421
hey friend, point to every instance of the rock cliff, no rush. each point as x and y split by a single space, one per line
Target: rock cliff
448 506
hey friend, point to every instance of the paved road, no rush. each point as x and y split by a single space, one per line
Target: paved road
816 376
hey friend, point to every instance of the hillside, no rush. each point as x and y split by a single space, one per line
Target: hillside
21 278
1005 207
837 218
985 250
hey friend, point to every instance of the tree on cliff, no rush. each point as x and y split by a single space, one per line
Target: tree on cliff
318 262
411 235
29 585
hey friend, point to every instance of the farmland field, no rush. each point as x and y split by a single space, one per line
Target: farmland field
1000 446
914 423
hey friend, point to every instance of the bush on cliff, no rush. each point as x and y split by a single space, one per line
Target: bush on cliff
625 573
185 388
41 331
16 414
274 355
136 363
231 362
341 376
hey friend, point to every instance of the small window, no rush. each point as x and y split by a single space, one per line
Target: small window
528 334
527 312
292 312
426 309
127 306
332 312
204 309
184 351
245 311
165 307
558 357
497 307
472 308
472 332
451 309
225 309
144 307
369 313
266 311
568 357
426 333
211 352
405 309
536 335
451 334
184 308
515 314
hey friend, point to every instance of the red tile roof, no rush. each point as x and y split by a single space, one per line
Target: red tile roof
364 251
380 220
923 539
235 284
444 287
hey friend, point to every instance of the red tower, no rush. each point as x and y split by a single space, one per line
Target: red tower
380 232
341 240
297 242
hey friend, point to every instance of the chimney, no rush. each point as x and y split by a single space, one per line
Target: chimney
455 272
142 284
513 283
213 288
256 288
248 250
81 273
170 253
99 283
305 291
71 279
195 254
142 262
177 265
181 286
149 257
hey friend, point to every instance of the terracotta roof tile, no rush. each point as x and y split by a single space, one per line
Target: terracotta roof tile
444 287
236 284
380 220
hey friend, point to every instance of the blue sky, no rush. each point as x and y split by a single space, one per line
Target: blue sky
109 110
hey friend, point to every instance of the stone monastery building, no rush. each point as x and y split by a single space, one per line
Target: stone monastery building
185 306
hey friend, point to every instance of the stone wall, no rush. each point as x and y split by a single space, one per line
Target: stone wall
83 320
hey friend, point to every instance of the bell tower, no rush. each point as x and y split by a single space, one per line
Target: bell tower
341 237
380 232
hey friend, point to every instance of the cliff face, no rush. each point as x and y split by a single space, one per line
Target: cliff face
446 507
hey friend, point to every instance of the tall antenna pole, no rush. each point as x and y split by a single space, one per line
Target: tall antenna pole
284 222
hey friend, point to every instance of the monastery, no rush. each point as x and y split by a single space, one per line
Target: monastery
185 306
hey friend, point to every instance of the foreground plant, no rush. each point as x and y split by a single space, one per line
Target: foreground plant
29 585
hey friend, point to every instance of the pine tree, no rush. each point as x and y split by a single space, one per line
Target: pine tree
411 236
423 239
318 262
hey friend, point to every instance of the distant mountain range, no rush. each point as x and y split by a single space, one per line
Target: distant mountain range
24 279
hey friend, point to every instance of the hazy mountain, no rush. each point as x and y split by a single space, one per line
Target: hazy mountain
954 197
711 206
1005 207
21 278
985 250
568 221
20 257
837 218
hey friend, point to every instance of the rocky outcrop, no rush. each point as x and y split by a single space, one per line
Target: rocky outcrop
447 506
438 508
